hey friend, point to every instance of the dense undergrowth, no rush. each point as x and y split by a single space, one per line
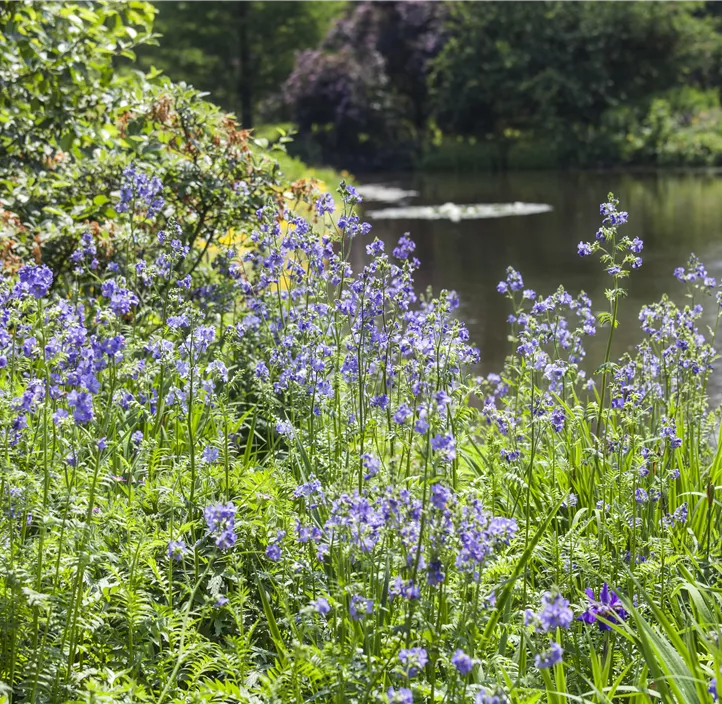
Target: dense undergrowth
274 487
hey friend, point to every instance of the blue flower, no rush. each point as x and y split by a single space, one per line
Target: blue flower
371 464
557 419
221 519
321 605
403 413
404 247
550 657
584 249
273 551
82 404
445 445
555 612
325 204
375 248
210 454
360 606
607 607
176 549
284 427
36 279
636 245
403 695
413 660
462 662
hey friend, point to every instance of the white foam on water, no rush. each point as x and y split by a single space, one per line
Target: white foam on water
379 193
455 212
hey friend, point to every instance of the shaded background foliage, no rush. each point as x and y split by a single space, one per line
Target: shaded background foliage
404 83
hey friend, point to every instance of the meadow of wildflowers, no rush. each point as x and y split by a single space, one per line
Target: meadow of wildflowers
248 473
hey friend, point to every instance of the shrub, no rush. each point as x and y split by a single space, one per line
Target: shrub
73 122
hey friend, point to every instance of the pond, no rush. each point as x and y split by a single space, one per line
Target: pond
674 213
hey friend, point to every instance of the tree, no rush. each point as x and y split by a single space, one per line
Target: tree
240 52
362 95
552 68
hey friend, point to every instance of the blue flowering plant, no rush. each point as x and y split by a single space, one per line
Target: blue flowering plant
252 473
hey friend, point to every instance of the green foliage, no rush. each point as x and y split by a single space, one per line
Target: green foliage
202 43
72 123
555 69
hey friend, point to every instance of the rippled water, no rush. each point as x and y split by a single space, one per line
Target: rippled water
674 213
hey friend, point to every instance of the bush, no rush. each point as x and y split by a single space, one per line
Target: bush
73 123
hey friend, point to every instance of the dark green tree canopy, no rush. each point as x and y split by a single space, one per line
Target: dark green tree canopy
550 66
240 52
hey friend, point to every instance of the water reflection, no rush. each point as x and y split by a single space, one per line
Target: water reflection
674 213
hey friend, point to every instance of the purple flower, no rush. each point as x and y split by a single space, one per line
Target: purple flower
325 204
669 432
445 445
381 401
360 607
176 550
402 414
137 437
221 521
102 444
284 427
584 249
608 607
555 612
406 589
636 245
375 248
557 419
321 606
273 551
404 247
36 279
210 454
641 496
221 601
82 404
435 574
440 496
550 657
371 464
413 660
350 194
713 688
462 662
403 695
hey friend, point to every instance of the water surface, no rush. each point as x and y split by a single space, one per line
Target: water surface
674 213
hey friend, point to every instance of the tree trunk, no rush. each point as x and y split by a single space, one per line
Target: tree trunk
245 86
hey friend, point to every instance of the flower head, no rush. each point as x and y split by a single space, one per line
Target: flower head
176 549
413 660
550 657
462 662
607 607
